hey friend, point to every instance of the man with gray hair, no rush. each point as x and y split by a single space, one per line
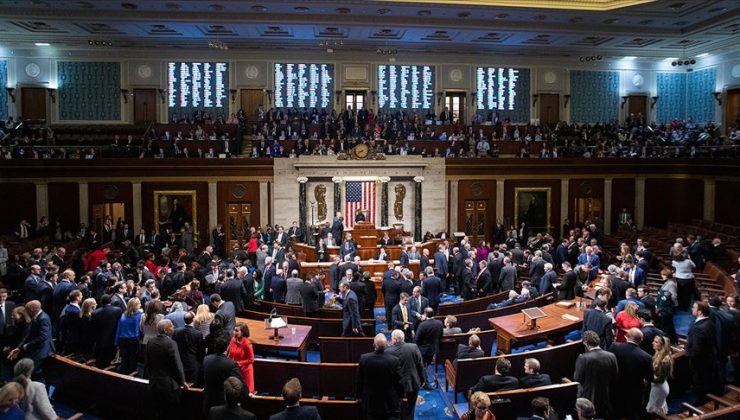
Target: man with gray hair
548 280
412 370
379 381
165 371
293 295
177 315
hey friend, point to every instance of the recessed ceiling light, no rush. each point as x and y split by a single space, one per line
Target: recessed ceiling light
702 55
670 58
630 57
42 44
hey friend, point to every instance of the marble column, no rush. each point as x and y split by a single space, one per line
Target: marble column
557 224
264 205
640 201
384 200
84 203
454 191
337 196
42 200
709 192
417 208
302 198
607 206
212 205
136 202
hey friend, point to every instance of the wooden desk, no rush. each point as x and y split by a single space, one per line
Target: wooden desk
510 328
260 338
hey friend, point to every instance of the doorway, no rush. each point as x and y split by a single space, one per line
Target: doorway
355 99
587 209
549 108
238 222
250 101
145 106
455 103
33 103
99 211
732 107
637 106
475 219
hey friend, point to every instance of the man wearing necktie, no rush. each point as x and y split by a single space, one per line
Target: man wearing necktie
401 316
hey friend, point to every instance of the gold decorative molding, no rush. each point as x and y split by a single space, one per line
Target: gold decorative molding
590 5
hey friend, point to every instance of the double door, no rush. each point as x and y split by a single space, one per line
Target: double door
475 220
238 222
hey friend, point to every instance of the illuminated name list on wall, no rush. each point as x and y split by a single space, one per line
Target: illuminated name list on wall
303 85
405 87
197 85
496 88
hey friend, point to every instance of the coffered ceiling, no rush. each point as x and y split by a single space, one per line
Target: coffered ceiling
644 28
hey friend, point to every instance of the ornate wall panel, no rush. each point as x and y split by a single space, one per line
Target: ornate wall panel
594 96
89 91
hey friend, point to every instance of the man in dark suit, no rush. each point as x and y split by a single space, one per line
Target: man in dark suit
566 288
417 304
218 241
532 377
483 281
295 233
233 393
431 288
233 290
412 370
164 367
724 322
428 335
702 349
191 347
337 227
225 310
635 371
499 381
379 382
471 350
310 294
649 331
267 277
103 324
507 278
6 319
596 373
536 269
596 320
468 283
38 343
441 264
402 318
292 396
403 258
32 282
358 286
279 286
216 369
540 409
391 289
350 312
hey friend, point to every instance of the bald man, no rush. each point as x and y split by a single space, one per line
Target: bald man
379 382
635 372
38 344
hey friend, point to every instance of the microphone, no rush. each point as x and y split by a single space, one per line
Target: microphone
273 312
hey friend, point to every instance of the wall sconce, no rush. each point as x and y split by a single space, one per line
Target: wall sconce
124 95
439 98
11 93
624 101
534 99
162 96
233 95
374 93
52 95
567 99
654 101
718 97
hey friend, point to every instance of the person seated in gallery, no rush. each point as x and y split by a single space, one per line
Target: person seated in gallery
385 240
513 299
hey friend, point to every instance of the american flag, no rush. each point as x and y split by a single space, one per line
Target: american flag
359 195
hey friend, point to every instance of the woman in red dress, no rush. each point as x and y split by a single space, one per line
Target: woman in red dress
240 351
625 320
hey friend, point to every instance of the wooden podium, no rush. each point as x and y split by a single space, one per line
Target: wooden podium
366 237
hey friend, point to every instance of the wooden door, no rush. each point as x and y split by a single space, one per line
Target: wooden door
251 99
238 222
33 103
637 106
587 209
475 220
145 106
549 108
455 103
732 108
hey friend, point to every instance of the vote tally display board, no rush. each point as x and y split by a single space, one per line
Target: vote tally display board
198 85
303 85
405 86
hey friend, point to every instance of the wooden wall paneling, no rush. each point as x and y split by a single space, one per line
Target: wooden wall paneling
477 190
726 197
556 219
111 192
201 195
21 204
584 188
64 203
623 196
673 200
230 192
33 103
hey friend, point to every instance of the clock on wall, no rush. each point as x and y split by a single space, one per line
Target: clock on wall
32 70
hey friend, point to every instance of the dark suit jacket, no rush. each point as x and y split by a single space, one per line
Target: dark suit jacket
116 300
416 308
536 271
412 367
164 367
391 291
465 351
702 349
216 368
279 288
360 290
309 297
596 373
397 319
379 384
635 371
566 289
4 334
350 314
427 337
38 344
104 323
441 264
507 278
431 287
495 383
600 323
227 311
468 284
297 413
191 346
534 380
648 335
224 412
267 278
233 290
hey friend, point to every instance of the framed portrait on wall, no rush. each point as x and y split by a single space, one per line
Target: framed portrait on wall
173 208
532 205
